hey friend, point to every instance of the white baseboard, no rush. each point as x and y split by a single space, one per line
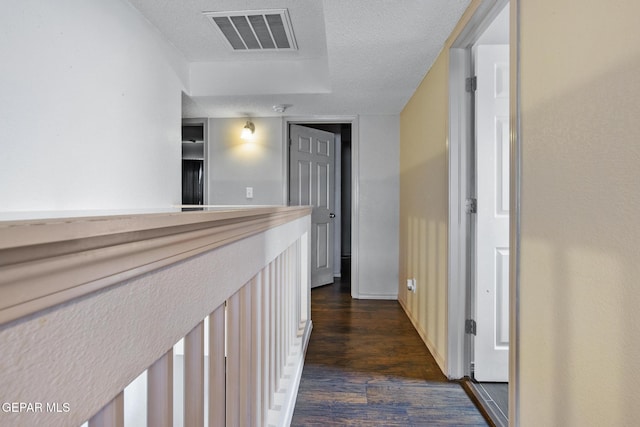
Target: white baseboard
432 349
393 296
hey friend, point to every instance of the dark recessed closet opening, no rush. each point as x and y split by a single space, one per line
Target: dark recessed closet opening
194 162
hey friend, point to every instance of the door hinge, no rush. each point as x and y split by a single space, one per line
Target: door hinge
470 326
471 84
471 205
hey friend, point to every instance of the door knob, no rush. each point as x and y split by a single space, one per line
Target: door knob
332 215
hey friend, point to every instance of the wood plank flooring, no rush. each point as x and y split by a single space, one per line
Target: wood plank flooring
367 366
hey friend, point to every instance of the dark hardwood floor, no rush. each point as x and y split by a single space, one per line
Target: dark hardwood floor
367 366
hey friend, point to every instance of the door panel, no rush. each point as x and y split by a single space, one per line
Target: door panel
304 144
303 183
323 186
502 298
323 243
502 167
491 344
311 176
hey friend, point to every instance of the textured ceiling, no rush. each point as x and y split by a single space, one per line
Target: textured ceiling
354 57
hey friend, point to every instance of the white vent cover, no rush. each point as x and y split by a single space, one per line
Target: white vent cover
255 30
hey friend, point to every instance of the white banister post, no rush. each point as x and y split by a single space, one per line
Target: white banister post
217 381
233 360
278 313
160 392
295 301
286 305
286 309
283 315
266 341
273 324
112 415
245 339
291 309
194 376
256 351
306 275
299 284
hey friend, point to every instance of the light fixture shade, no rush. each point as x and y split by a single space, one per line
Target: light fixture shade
248 130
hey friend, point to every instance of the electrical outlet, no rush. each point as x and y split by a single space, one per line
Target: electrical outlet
249 192
411 285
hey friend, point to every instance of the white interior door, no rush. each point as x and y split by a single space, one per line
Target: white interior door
311 182
491 344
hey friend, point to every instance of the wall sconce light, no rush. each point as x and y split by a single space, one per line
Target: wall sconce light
248 130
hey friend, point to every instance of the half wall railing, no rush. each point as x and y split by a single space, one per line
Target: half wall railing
211 309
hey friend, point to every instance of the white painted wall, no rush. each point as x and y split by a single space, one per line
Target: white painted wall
379 199
90 111
235 164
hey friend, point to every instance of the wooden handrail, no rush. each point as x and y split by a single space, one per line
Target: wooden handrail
49 262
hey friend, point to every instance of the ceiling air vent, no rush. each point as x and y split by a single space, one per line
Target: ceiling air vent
255 30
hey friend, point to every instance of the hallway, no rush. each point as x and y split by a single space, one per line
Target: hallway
367 366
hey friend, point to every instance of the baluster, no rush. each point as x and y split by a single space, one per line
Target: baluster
298 285
217 395
287 305
112 415
160 392
281 312
233 360
245 356
194 377
292 300
273 361
266 340
256 347
278 308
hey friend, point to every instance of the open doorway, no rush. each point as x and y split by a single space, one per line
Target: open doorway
315 169
194 161
488 302
480 303
194 155
490 253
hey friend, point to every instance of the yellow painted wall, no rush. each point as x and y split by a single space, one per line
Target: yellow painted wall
423 208
424 132
580 262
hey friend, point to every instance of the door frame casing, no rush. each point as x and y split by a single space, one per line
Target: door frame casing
460 181
461 184
355 174
460 130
